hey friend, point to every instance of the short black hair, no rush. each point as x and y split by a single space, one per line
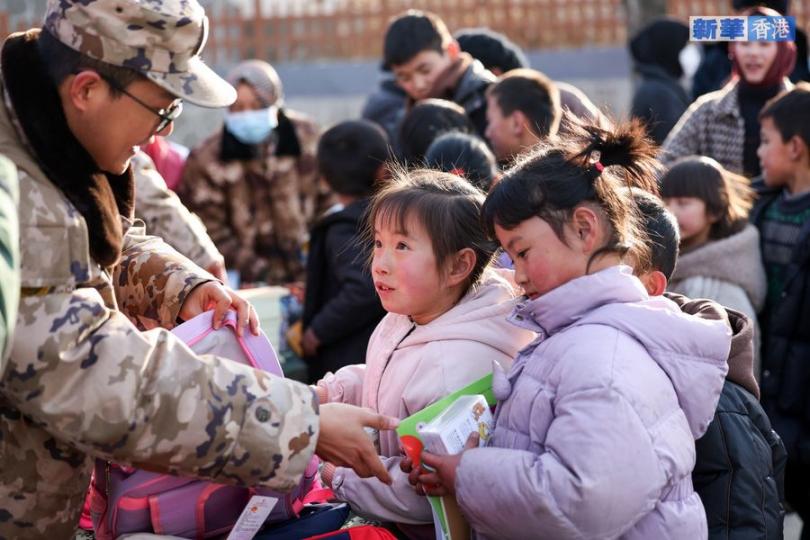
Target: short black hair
662 231
493 49
790 113
425 122
533 94
350 155
464 155
411 33
61 61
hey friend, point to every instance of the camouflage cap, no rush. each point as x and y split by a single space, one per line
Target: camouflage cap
160 38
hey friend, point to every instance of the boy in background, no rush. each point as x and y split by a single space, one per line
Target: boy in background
782 214
341 307
523 108
428 63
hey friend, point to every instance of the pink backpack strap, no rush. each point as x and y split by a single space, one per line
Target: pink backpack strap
257 349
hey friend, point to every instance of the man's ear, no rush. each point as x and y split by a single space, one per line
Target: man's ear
461 266
453 49
587 229
84 89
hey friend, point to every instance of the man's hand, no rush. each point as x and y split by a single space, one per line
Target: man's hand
310 342
344 442
213 294
442 480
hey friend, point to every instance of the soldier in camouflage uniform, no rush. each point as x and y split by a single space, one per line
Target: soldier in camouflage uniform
258 191
9 254
165 216
81 381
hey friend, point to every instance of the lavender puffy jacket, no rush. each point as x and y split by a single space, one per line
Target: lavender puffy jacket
597 418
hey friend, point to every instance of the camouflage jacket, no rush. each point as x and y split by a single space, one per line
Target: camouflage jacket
166 217
258 211
82 382
9 254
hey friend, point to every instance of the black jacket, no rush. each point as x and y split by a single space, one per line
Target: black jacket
386 107
341 305
470 93
785 328
659 99
740 468
739 472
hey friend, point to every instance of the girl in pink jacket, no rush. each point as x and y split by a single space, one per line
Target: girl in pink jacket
597 418
445 328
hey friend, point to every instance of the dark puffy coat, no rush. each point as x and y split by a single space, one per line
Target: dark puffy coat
785 328
341 305
386 107
740 467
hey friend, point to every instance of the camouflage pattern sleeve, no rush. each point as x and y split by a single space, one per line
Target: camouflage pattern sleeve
153 280
9 254
87 376
166 217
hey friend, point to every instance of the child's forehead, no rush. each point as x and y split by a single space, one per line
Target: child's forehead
766 122
401 221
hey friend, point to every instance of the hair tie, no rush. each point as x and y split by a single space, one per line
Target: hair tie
596 165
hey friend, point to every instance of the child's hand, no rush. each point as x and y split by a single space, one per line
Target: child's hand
406 466
442 480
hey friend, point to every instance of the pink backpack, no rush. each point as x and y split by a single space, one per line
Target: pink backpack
125 500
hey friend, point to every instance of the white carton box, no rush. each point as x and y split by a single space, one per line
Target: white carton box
448 432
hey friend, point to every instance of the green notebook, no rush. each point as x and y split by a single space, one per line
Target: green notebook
407 427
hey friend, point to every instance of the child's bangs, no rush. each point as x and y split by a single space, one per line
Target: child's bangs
396 211
507 206
692 177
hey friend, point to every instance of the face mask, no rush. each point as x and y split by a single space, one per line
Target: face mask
252 127
690 59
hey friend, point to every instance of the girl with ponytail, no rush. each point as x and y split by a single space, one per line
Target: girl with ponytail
597 418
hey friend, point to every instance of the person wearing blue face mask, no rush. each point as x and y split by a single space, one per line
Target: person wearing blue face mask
254 183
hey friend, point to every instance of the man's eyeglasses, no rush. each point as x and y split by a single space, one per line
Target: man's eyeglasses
167 115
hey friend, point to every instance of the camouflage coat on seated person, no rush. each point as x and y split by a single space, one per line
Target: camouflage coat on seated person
166 217
258 201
